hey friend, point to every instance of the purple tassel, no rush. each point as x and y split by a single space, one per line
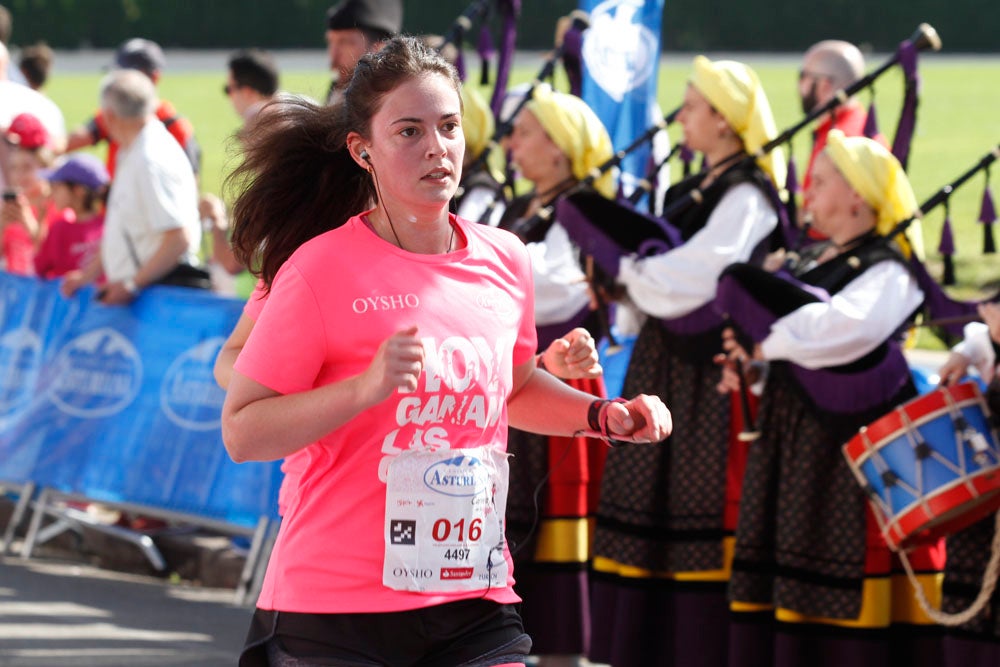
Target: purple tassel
654 183
509 9
947 247
792 177
460 62
987 216
871 122
573 60
687 157
908 115
792 187
486 52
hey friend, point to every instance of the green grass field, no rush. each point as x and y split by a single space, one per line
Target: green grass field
958 123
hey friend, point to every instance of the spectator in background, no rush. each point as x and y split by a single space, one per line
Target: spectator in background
146 57
6 28
35 64
151 227
251 82
6 25
27 207
16 99
828 67
79 187
354 28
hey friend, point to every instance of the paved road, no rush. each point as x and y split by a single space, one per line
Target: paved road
63 615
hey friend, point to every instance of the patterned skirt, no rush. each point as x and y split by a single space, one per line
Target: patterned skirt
664 533
554 484
813 583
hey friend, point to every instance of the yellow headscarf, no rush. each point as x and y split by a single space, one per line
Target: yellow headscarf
734 90
577 131
477 122
478 126
876 175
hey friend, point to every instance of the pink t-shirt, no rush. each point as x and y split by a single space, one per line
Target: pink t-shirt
69 245
293 464
330 307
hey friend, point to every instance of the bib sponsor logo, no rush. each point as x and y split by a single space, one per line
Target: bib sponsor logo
620 53
99 374
461 476
20 360
413 573
377 303
189 395
448 573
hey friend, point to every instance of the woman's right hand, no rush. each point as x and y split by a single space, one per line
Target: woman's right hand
954 369
397 365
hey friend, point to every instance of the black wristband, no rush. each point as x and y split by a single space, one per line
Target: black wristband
594 413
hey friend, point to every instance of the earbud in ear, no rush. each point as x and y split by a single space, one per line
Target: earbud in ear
364 155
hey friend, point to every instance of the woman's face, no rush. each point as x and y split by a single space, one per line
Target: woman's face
416 146
829 197
531 149
24 166
702 124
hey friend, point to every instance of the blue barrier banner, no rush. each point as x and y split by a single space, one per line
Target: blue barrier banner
119 403
621 56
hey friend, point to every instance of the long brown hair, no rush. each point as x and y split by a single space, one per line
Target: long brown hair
297 179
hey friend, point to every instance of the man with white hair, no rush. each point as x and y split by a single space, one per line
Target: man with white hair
151 229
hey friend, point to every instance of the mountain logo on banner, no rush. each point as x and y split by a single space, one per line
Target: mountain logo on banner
20 361
98 374
189 394
620 53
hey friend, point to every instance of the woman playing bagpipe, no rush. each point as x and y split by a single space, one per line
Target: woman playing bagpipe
812 577
556 140
659 556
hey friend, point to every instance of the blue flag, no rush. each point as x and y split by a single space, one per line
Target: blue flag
621 56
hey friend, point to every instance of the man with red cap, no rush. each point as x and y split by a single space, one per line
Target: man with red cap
147 57
354 28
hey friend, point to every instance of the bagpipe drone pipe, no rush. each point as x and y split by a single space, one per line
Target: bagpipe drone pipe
753 299
481 11
506 105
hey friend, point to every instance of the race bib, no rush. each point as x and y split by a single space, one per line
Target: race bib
444 520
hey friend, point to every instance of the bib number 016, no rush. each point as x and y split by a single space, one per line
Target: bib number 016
443 528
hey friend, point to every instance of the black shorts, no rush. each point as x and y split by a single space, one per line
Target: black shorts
467 632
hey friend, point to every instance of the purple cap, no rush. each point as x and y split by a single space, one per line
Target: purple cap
80 169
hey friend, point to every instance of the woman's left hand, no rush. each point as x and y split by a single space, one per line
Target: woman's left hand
574 356
643 419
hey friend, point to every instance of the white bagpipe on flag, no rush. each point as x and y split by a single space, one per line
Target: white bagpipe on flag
621 55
